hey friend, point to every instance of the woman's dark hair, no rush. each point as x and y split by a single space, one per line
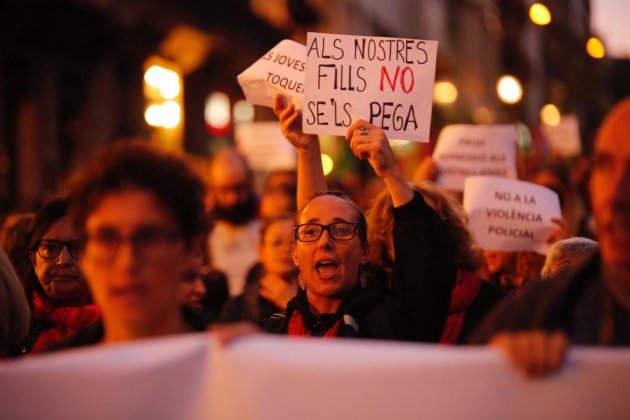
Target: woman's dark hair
361 221
53 211
136 164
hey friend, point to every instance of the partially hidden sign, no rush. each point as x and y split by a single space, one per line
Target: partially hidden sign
474 150
510 215
280 70
385 81
564 138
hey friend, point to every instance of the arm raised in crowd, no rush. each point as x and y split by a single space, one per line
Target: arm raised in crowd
368 142
424 257
310 174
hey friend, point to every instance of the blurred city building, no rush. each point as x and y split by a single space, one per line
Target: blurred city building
78 74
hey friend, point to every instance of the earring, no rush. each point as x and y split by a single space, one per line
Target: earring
301 282
362 279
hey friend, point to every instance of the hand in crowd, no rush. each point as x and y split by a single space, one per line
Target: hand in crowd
369 142
558 233
535 353
291 123
227 333
276 290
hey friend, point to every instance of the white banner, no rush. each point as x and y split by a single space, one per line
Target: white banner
564 138
509 215
474 150
263 377
264 146
386 81
280 70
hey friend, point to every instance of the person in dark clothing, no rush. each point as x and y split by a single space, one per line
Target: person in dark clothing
56 290
331 251
270 283
590 305
471 297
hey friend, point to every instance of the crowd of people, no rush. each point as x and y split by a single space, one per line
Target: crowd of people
141 246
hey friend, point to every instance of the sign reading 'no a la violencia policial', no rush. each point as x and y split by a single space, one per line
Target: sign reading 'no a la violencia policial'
385 81
510 215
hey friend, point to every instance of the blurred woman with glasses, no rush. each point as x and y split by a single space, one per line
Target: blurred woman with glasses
139 212
57 292
338 296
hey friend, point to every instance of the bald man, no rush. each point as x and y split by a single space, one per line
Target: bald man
591 307
233 240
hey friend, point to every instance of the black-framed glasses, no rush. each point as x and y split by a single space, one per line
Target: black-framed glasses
340 231
49 249
149 243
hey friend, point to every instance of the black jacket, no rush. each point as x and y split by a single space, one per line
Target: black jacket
416 306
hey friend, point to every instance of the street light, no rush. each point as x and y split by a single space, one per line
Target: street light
444 93
540 14
550 114
509 89
595 48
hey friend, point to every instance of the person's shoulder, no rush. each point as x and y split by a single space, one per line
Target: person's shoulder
276 323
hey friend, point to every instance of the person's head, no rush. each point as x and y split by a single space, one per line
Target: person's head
15 316
330 246
13 240
276 240
192 288
610 189
52 247
565 255
381 227
231 185
499 262
140 212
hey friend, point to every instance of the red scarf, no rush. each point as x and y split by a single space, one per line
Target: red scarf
463 294
298 329
67 320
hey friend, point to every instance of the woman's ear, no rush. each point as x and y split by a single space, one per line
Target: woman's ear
294 255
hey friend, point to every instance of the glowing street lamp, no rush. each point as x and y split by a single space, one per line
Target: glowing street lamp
509 89
444 93
595 48
540 14
550 114
327 164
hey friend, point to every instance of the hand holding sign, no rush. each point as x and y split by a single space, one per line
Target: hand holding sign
291 123
510 215
369 142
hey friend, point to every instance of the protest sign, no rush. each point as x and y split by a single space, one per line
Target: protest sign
264 146
280 70
564 138
190 377
510 215
385 81
474 150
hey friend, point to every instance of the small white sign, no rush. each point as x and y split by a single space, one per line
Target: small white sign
510 215
564 138
280 70
264 146
474 150
386 81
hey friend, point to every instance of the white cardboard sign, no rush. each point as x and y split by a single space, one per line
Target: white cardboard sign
264 146
262 377
510 215
385 81
564 138
474 150
280 70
